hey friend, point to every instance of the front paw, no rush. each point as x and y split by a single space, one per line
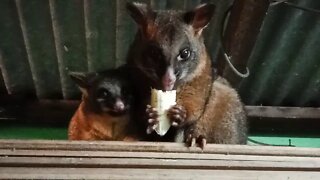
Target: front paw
193 137
177 114
152 116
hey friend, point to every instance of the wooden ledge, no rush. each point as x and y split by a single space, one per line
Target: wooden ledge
38 159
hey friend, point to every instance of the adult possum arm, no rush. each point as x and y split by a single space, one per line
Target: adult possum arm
193 95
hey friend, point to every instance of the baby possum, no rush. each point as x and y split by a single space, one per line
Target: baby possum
104 111
169 53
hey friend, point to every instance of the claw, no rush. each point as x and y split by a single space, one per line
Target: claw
150 129
152 121
177 115
202 143
193 142
193 139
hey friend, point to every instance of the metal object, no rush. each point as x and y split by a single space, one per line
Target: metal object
240 35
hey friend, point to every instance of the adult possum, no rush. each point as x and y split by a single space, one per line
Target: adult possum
168 53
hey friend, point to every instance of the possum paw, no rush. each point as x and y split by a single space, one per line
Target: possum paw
193 139
177 114
152 116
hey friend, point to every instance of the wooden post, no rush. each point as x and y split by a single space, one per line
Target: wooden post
240 35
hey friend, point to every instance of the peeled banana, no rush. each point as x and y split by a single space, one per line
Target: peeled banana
163 101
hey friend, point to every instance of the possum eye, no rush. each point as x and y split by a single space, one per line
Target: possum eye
103 93
184 54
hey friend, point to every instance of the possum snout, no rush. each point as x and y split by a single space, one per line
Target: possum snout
119 106
168 79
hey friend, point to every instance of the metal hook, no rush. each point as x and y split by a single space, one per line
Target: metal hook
226 56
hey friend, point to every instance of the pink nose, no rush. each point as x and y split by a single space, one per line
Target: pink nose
168 79
119 106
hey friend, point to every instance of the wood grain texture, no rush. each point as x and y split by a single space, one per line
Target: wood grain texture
37 159
283 112
156 147
145 173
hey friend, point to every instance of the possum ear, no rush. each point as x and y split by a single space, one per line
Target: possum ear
199 17
143 15
82 80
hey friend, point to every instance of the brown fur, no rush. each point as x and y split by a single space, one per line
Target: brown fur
192 95
213 109
222 119
87 125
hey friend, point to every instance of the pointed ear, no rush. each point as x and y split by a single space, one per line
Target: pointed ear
82 80
143 15
199 17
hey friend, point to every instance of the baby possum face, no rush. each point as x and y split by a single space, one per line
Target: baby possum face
110 95
105 92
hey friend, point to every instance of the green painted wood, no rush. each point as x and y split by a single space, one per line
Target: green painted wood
15 131
37 32
69 34
13 57
20 131
100 23
284 141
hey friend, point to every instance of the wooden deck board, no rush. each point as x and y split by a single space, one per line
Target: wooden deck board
38 159
123 173
156 147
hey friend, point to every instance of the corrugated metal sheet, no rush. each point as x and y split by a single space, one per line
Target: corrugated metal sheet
285 63
42 40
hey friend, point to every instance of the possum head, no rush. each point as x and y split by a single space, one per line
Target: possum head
168 46
105 92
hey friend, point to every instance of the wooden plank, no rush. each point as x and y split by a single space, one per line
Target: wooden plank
283 112
123 173
98 162
37 32
54 112
156 147
13 57
147 160
100 23
151 155
70 43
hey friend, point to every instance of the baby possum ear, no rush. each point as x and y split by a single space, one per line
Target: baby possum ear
143 15
199 17
82 80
